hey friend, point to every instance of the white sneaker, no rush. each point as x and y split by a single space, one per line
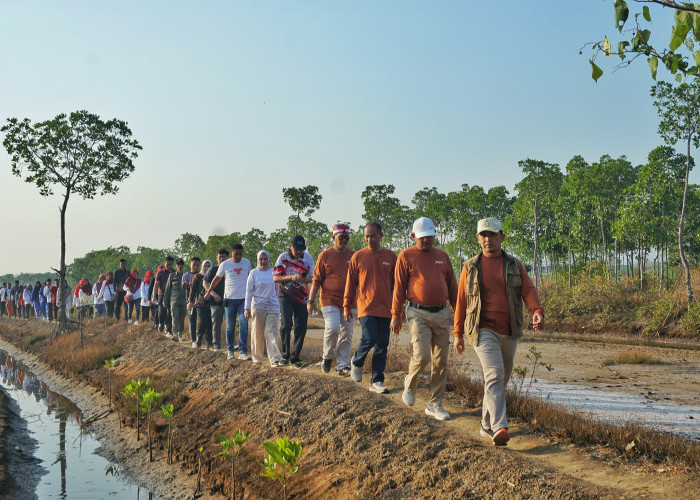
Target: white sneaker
136 322
129 321
216 349
230 355
244 357
355 372
437 412
194 345
257 362
408 396
169 335
378 387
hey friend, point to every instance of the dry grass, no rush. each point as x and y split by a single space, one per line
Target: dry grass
631 441
631 357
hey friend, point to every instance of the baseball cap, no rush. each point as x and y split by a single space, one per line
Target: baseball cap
179 261
423 227
299 243
489 224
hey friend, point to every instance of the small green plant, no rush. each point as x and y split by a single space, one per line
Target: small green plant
199 471
111 365
230 449
133 390
148 400
166 411
690 322
535 356
282 460
519 374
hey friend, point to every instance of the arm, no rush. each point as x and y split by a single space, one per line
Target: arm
350 289
319 277
451 283
532 300
399 296
460 312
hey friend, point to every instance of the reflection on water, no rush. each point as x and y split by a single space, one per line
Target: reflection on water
71 467
618 407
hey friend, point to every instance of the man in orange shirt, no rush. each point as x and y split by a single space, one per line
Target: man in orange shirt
489 310
425 279
370 281
330 274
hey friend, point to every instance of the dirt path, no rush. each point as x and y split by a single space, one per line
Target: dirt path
356 444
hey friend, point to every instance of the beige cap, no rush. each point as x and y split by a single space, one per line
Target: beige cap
489 224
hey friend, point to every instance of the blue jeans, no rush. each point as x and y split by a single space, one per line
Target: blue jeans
100 309
375 334
235 307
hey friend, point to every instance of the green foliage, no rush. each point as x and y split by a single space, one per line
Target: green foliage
134 390
166 413
282 460
682 56
658 314
304 200
230 449
690 322
148 400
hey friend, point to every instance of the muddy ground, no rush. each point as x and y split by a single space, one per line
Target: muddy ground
356 444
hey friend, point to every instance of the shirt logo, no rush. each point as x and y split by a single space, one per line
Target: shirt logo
238 270
439 262
386 263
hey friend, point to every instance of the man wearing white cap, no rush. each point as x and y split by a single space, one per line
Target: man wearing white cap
425 279
492 288
330 275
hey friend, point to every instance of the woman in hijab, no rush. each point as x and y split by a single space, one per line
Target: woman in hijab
107 293
132 287
27 300
145 294
195 300
151 295
100 308
262 306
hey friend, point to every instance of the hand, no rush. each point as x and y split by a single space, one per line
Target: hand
246 313
207 296
537 321
395 325
216 298
189 306
459 344
311 306
348 314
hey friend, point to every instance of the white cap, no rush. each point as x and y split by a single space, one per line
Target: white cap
489 224
423 227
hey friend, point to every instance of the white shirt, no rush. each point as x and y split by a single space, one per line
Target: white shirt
3 294
143 291
236 275
107 291
261 290
96 293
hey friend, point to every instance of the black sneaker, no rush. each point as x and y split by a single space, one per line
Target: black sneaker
284 362
298 364
344 372
326 365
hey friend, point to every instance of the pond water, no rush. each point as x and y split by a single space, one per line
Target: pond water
618 407
65 458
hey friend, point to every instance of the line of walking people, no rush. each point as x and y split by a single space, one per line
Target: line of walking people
374 285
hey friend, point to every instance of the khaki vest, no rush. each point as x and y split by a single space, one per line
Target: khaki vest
513 283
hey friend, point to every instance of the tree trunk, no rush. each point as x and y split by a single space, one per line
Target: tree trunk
681 251
534 240
63 322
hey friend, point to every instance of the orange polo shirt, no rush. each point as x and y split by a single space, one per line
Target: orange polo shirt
330 274
370 282
425 277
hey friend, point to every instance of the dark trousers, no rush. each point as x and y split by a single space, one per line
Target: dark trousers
145 310
202 317
292 313
118 305
217 318
192 322
375 334
133 307
165 320
110 308
3 304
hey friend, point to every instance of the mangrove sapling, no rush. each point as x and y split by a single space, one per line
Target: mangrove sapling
534 355
148 400
110 364
518 379
230 449
166 411
282 460
133 390
199 471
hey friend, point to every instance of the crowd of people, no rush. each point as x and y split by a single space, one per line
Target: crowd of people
372 285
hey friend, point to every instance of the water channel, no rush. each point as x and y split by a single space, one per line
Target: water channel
52 453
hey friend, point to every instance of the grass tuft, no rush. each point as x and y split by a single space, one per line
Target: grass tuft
631 357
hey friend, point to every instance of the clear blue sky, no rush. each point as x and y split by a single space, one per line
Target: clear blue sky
232 101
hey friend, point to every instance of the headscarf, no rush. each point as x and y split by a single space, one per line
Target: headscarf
85 286
132 281
257 259
110 277
210 266
147 278
100 279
